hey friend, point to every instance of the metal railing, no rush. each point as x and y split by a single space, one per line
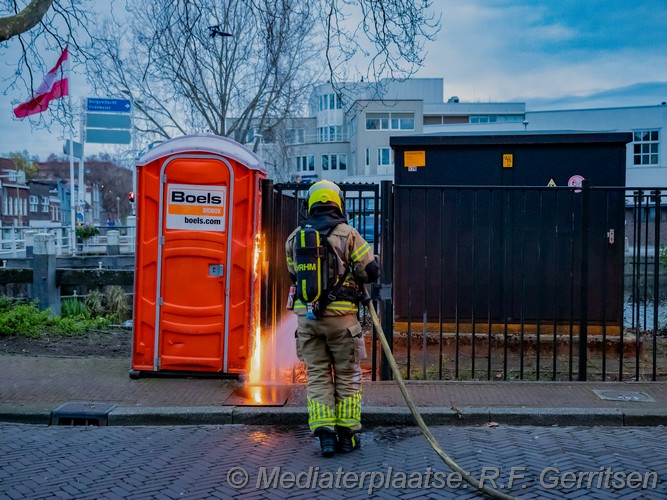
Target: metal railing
16 241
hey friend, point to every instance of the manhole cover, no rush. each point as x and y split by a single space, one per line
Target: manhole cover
609 395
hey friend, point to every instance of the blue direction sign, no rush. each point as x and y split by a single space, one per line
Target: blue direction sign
112 105
108 136
108 120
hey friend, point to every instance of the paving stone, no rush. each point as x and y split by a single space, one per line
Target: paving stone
193 461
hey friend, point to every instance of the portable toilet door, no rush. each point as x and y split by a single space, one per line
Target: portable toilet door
198 215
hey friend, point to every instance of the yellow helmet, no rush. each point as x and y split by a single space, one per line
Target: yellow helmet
325 192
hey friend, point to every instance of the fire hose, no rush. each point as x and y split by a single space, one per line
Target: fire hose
493 493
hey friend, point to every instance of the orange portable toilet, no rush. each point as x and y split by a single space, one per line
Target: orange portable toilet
198 216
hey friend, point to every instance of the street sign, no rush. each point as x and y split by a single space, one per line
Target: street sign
108 136
108 120
78 149
110 105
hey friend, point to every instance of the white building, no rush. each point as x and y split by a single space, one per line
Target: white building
646 159
346 136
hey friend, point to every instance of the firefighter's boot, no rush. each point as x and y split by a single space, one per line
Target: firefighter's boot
327 442
348 440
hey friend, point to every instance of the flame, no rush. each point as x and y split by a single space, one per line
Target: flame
270 360
255 373
256 394
255 368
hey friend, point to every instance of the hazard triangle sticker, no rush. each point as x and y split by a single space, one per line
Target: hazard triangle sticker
551 183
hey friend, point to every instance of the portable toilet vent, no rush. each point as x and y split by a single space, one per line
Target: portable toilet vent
198 218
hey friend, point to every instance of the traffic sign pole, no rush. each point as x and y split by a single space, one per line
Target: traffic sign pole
108 121
82 190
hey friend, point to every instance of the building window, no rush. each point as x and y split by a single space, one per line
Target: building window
385 157
377 121
390 121
330 101
496 118
402 121
295 136
34 202
334 161
304 163
45 204
330 134
646 144
367 161
342 162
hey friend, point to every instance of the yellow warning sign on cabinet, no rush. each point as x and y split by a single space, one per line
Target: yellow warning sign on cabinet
414 158
508 160
551 183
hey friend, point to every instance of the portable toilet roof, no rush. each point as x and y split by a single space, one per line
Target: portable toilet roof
204 143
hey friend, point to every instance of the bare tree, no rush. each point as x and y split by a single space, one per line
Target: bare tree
376 39
184 74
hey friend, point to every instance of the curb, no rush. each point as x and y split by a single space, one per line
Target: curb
371 416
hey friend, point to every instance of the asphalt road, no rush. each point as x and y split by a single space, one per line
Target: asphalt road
234 461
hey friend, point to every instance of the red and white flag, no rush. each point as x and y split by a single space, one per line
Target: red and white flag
54 86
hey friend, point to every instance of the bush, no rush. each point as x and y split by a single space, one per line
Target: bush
95 303
117 304
86 231
25 320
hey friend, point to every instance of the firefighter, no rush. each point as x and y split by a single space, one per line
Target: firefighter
329 337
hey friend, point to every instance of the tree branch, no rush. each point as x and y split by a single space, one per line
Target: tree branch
25 20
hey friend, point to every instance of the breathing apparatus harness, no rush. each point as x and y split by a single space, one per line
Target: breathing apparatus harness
312 271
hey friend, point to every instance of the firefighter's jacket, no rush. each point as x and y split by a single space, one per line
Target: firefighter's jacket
350 249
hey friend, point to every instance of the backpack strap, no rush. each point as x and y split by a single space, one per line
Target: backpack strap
332 293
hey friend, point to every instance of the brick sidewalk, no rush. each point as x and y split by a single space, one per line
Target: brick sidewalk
43 383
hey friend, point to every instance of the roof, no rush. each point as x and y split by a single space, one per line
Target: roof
509 137
204 143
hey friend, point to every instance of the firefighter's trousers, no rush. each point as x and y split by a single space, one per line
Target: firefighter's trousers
332 348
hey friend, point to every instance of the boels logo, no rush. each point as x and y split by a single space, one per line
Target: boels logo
196 207
183 197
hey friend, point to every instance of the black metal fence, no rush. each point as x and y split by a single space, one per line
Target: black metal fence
503 283
529 283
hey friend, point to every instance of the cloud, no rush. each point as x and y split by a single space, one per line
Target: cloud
502 50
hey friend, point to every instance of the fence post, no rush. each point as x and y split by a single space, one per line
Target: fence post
583 292
387 272
44 286
113 242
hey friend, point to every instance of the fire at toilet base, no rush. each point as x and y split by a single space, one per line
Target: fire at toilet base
259 395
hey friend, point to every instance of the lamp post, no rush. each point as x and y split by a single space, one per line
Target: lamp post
118 209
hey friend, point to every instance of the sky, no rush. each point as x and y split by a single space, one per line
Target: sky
550 54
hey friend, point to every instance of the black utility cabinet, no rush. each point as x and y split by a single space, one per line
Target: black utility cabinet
487 229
